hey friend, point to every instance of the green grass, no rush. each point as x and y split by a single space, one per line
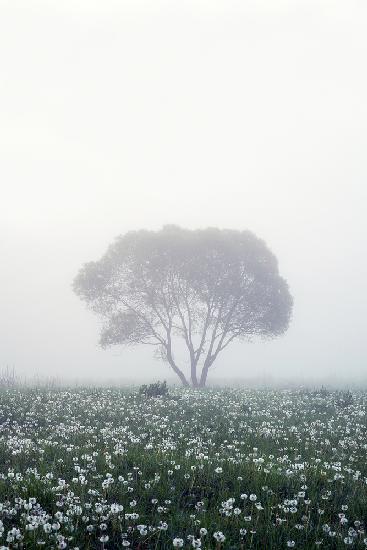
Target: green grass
181 464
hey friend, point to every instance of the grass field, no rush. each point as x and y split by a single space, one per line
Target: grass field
218 469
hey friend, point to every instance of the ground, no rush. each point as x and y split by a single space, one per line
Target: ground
228 469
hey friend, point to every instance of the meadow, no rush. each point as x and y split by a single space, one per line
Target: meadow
217 469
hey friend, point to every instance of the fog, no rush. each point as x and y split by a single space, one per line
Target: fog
121 115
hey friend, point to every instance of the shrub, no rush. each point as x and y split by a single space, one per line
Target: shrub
158 389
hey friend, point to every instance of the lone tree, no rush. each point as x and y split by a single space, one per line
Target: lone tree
208 287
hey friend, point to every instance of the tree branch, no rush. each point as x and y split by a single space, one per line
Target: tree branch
170 359
187 337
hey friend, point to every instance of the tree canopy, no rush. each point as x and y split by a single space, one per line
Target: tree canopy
208 286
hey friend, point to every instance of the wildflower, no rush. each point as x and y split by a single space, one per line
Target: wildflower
219 537
178 543
116 508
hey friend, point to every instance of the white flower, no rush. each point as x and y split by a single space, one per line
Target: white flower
219 537
116 508
178 543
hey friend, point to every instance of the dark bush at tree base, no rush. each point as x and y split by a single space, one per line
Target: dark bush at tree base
157 389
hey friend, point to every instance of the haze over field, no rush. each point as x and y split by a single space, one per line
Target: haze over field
121 115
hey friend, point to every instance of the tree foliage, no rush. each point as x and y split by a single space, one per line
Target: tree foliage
207 286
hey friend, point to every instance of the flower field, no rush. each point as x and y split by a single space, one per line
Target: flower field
217 469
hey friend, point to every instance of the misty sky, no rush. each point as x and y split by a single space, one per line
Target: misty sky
119 115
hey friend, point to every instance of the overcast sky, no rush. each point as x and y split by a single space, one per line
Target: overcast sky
119 115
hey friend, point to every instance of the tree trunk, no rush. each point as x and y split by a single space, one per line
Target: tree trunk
204 373
179 372
194 380
203 377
